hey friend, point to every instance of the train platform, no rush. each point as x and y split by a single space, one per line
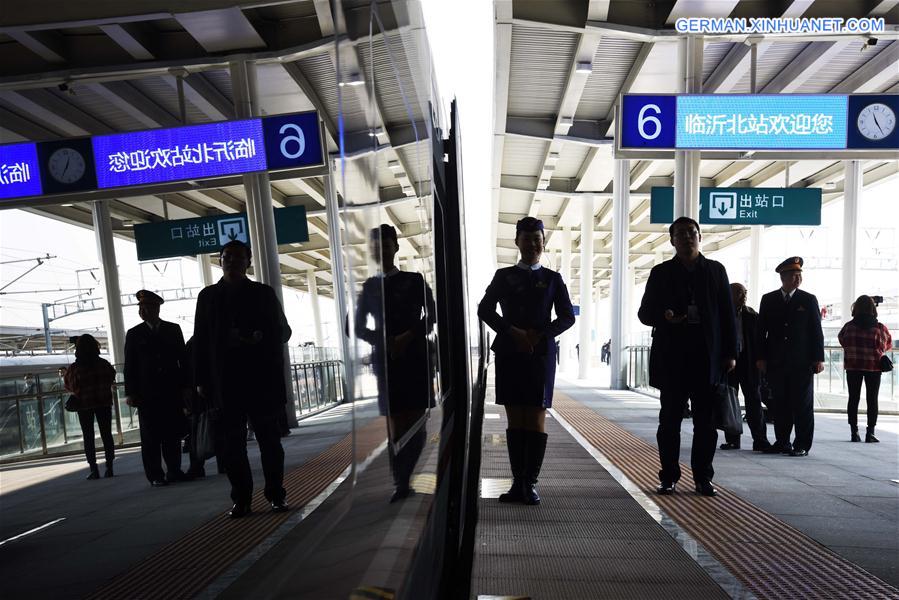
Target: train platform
817 527
824 526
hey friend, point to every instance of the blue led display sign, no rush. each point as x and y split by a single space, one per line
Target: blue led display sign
20 174
780 122
762 122
161 155
180 153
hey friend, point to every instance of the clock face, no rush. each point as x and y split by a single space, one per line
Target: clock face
66 165
876 121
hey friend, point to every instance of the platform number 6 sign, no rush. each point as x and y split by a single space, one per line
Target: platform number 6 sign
296 141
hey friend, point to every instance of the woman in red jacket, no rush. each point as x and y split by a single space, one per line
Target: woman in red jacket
91 379
864 341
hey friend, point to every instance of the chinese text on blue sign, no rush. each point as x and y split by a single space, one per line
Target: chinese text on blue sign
758 122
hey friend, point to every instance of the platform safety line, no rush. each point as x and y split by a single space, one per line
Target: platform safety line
185 567
714 569
771 558
30 531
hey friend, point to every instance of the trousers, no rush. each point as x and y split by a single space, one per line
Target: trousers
872 389
237 464
104 424
794 406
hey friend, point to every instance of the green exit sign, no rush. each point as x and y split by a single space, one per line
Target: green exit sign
744 206
206 235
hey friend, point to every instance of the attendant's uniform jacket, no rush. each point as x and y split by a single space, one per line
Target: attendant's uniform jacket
398 302
527 297
789 335
155 375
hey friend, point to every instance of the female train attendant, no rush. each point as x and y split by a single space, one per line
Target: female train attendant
526 352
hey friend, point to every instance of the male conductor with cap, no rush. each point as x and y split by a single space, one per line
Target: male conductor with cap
791 350
156 383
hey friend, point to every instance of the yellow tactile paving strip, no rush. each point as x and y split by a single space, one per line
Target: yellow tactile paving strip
186 566
769 557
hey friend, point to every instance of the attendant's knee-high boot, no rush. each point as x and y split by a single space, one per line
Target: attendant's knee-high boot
515 442
535 449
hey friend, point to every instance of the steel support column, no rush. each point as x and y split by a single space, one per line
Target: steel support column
316 312
204 261
565 270
755 266
339 283
106 252
686 164
620 225
586 302
260 212
851 195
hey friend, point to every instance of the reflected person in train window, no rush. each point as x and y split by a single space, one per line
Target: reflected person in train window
401 306
525 352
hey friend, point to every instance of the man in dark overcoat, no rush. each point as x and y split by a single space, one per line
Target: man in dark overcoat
687 302
239 332
156 383
746 375
791 352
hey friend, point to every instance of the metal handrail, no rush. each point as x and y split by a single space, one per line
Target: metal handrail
824 383
40 425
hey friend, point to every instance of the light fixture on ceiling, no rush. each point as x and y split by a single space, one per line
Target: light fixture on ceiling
830 185
552 158
395 166
584 67
352 79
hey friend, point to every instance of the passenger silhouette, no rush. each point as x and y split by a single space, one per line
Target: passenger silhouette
864 340
525 352
746 374
157 384
401 307
239 332
91 380
687 302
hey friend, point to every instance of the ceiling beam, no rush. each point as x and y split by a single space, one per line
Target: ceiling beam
136 103
873 75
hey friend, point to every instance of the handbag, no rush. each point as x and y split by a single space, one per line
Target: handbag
71 404
886 365
727 409
204 441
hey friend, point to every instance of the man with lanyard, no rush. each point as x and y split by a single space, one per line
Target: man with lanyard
239 331
687 302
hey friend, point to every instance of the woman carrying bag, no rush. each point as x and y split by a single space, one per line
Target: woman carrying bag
864 341
91 380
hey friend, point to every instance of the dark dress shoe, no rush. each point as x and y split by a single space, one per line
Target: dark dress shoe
729 446
531 497
705 488
513 496
240 510
666 488
799 452
760 446
159 483
870 439
94 474
280 506
195 474
774 449
401 493
175 476
108 472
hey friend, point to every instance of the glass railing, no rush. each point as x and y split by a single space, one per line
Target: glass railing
33 420
831 392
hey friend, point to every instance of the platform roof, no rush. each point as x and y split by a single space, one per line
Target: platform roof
553 122
70 69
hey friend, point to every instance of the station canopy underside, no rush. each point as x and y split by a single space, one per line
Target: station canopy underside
102 68
554 122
